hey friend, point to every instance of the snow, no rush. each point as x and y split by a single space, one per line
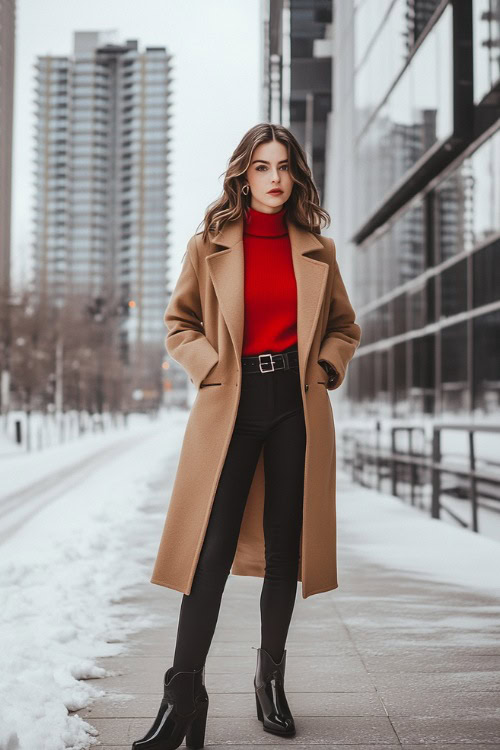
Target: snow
40 430
66 563
20 466
398 536
64 571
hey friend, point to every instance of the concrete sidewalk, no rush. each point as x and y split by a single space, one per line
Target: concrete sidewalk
386 659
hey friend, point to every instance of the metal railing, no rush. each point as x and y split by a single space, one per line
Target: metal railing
422 468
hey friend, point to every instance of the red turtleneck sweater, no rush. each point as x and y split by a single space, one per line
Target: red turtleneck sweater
270 287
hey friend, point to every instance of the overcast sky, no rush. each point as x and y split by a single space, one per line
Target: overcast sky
216 92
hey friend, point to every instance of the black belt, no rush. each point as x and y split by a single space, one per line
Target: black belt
270 362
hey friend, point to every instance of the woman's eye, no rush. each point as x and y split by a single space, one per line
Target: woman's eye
262 166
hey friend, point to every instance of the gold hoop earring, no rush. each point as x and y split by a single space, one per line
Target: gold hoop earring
245 192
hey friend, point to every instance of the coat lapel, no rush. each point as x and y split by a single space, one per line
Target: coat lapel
226 268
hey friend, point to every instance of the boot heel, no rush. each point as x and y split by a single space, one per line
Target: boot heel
195 735
259 708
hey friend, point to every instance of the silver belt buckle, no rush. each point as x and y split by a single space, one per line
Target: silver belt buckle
271 362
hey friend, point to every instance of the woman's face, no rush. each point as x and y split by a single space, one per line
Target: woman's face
269 170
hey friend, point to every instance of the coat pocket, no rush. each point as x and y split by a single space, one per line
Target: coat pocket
211 376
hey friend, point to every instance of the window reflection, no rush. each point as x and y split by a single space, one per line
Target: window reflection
454 388
386 321
453 213
399 308
417 306
381 49
393 257
487 366
417 114
400 383
486 43
368 377
382 378
486 271
468 201
454 289
423 374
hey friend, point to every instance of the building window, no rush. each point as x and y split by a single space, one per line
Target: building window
486 270
417 115
468 202
367 377
423 374
399 314
380 50
487 363
486 44
390 259
454 289
383 395
400 380
454 383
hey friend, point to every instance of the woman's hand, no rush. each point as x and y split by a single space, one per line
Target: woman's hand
330 371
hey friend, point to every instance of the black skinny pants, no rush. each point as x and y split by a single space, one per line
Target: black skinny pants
270 412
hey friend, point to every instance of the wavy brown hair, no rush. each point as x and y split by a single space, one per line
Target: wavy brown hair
302 207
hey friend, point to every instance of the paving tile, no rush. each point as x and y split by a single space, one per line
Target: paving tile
440 661
446 730
440 703
447 681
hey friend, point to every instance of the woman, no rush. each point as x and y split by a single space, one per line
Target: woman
261 321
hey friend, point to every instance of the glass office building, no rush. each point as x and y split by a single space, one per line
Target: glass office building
297 73
416 201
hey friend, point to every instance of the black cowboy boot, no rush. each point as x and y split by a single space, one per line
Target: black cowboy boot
182 713
272 705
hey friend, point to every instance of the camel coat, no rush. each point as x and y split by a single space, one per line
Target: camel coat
205 321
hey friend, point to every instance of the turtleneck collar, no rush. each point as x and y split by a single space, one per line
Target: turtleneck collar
260 224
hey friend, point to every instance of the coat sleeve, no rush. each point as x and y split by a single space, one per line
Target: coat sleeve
186 341
342 334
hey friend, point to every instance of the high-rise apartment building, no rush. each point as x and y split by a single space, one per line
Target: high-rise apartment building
102 185
414 179
7 40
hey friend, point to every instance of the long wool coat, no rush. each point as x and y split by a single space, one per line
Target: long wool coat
205 321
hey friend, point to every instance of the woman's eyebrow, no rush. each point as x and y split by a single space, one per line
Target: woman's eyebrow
267 162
